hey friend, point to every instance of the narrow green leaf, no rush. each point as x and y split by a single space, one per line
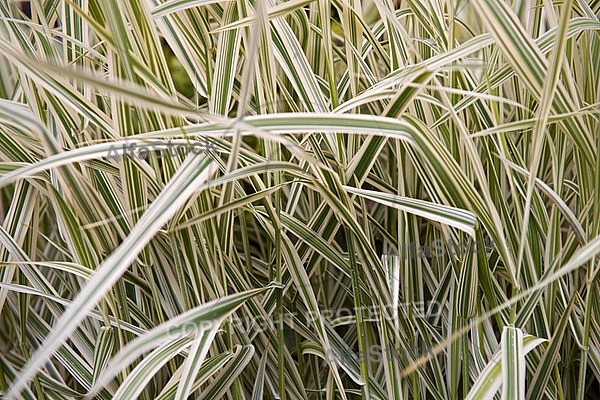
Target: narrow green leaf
513 364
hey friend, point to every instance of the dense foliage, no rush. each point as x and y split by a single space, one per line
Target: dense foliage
300 200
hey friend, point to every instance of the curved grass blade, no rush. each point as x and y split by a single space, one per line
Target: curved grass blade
491 378
461 219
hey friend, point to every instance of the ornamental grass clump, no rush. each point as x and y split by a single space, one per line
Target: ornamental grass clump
202 199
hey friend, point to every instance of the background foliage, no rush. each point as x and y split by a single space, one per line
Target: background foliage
338 130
